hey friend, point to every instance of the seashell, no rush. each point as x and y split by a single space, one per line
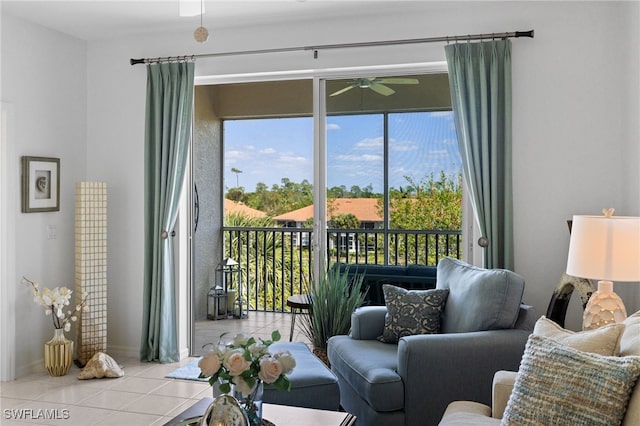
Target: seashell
100 365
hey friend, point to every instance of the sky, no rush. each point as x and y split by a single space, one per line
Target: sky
267 150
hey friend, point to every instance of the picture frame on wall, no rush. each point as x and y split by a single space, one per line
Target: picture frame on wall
40 184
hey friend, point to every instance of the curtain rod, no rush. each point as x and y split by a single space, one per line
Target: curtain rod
315 49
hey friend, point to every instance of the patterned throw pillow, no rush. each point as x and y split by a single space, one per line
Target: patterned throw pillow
559 385
411 312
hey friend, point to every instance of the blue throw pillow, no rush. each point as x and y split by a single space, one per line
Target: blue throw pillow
479 299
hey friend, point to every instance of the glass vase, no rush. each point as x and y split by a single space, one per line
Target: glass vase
252 404
58 354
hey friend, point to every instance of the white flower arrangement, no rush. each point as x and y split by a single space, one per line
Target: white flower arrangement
54 301
245 362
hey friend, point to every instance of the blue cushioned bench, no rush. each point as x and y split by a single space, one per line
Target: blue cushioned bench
313 385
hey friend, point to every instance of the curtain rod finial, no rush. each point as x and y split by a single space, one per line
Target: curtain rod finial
525 33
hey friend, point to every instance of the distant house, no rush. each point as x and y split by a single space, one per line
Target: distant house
231 206
366 210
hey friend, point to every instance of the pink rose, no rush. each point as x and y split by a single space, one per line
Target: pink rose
235 362
270 369
209 364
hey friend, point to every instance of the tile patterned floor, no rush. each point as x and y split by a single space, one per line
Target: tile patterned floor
257 324
142 397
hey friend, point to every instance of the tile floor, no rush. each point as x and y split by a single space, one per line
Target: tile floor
142 397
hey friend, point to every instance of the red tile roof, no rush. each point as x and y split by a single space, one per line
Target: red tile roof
365 209
231 206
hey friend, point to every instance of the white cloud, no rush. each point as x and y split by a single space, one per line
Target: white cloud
358 158
268 151
403 146
233 155
370 143
289 158
333 126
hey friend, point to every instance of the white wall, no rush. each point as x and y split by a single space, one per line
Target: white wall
575 124
44 81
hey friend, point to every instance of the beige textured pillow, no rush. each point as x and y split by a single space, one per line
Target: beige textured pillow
602 341
630 345
630 342
559 385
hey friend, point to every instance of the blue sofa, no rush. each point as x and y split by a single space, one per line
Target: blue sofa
411 277
484 328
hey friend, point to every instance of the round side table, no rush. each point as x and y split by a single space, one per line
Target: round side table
297 302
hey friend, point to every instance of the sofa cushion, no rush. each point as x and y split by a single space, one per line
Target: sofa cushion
313 385
424 271
603 341
479 299
370 368
557 384
411 312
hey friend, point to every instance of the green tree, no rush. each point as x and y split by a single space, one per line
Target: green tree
261 256
237 194
345 221
432 205
428 205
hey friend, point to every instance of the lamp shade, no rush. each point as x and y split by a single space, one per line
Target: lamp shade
605 248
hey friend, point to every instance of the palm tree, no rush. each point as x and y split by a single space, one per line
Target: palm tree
237 172
262 258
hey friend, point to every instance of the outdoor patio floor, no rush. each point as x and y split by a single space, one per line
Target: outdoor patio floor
256 324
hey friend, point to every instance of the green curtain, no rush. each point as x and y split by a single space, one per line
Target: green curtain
169 112
480 84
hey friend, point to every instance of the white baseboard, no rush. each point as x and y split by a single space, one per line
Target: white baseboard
33 367
184 353
134 352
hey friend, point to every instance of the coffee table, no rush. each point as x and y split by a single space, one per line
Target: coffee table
280 415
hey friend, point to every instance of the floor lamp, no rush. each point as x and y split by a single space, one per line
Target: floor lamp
605 248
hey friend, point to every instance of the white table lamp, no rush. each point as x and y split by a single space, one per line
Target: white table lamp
605 248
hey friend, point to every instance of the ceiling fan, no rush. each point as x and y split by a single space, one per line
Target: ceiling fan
377 84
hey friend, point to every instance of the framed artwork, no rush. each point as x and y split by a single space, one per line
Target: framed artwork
40 184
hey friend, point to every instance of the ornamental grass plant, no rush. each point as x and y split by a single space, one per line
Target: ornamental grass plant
334 297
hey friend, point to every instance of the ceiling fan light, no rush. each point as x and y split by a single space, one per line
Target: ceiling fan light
364 83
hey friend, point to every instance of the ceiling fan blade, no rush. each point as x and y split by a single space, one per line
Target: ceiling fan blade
382 89
341 91
397 80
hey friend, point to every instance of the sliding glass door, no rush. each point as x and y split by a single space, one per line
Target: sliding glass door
295 175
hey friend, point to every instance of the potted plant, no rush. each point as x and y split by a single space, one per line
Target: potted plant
334 297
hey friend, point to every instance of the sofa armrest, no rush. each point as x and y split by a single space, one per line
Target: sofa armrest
527 318
367 322
503 382
440 368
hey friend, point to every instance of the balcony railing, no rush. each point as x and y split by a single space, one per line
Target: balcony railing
277 262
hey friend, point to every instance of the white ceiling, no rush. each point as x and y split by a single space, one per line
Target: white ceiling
106 19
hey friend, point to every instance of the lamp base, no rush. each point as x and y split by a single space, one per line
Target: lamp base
604 307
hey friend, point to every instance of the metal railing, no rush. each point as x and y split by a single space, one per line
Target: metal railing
277 262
